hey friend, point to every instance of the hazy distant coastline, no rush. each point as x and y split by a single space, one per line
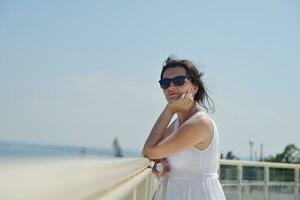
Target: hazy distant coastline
18 150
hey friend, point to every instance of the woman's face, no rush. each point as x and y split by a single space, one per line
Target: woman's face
173 92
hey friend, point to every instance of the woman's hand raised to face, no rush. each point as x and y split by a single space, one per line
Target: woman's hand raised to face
182 103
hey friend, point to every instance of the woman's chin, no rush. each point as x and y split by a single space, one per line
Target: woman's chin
171 98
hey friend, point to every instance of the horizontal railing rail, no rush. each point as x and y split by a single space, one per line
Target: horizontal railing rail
125 178
77 179
266 180
260 164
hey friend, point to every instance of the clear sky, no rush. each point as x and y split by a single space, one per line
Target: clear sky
83 72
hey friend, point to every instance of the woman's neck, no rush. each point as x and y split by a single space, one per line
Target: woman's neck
183 116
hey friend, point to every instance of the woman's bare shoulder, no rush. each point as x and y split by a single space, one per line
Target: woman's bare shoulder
204 128
200 122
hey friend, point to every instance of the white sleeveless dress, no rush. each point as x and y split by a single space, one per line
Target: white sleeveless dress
194 172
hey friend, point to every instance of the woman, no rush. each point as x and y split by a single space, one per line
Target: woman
189 146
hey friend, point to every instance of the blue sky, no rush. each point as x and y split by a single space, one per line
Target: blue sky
83 72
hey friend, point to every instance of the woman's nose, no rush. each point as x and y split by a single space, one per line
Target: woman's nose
172 86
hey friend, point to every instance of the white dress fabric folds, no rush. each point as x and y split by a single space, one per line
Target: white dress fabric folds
194 172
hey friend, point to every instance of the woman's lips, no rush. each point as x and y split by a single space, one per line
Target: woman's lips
173 95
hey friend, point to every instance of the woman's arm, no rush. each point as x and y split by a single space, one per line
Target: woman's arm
163 161
194 131
159 129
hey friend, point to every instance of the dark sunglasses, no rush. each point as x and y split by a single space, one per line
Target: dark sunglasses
178 81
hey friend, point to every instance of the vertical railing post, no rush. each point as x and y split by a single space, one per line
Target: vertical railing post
142 189
296 190
152 183
149 185
240 179
147 194
266 182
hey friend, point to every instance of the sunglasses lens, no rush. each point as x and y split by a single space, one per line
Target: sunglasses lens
179 80
164 83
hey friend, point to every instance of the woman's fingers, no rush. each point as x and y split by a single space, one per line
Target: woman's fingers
187 99
190 94
155 171
190 97
182 103
165 163
165 168
183 95
155 168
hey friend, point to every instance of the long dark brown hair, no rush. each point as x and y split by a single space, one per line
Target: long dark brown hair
195 76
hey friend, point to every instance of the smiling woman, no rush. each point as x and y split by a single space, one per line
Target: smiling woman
188 147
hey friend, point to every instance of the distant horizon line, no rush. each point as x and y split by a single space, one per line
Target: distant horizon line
62 145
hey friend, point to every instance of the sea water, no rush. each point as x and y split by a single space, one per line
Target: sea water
25 151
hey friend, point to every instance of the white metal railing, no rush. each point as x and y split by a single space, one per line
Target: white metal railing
129 179
77 179
265 182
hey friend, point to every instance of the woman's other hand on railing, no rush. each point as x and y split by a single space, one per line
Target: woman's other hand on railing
161 167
